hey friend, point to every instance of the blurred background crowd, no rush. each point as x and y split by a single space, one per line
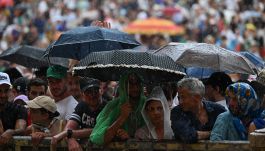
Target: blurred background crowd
237 25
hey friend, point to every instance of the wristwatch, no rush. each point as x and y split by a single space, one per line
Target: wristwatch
69 133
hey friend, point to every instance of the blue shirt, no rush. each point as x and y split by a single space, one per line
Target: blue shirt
185 124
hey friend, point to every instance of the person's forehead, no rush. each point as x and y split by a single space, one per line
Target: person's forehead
133 79
4 86
154 102
54 79
183 90
37 88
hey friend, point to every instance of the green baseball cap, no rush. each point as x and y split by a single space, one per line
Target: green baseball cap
57 72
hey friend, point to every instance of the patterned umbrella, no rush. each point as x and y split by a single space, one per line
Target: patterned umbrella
110 65
79 42
257 61
208 56
154 26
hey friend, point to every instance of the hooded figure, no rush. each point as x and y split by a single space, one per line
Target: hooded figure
243 116
149 131
112 111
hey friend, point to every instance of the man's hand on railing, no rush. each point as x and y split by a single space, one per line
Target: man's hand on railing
57 138
37 137
6 137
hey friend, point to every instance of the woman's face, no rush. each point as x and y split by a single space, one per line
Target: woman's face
155 112
233 103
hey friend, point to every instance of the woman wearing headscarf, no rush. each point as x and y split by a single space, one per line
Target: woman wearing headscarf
121 117
156 114
243 116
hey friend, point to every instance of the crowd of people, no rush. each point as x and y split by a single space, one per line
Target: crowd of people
214 109
69 108
237 25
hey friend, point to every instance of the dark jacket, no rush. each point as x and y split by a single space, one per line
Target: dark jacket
185 124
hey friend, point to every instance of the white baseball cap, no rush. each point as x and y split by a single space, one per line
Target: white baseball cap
43 102
4 79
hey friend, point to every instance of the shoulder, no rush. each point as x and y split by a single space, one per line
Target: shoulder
225 116
14 107
214 106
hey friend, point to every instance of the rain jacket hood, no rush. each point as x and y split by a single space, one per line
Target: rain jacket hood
112 111
158 95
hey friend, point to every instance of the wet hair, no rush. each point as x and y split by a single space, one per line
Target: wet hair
13 74
220 79
37 82
134 78
148 103
194 85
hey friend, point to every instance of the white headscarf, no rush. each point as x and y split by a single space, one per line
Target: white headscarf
158 94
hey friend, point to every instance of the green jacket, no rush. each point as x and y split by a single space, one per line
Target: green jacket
112 111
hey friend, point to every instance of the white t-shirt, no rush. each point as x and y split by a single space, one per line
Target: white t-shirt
223 103
66 107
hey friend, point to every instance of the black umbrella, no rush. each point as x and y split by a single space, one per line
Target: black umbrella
110 65
30 57
79 42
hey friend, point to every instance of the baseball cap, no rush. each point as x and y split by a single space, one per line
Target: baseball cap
4 79
20 84
23 98
43 102
88 83
57 72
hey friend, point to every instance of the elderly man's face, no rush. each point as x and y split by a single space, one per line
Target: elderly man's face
186 99
4 90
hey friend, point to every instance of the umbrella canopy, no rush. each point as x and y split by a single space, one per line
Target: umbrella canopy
154 26
79 42
110 65
200 73
257 61
30 57
208 56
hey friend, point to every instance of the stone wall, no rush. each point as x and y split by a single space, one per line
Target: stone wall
23 143
256 143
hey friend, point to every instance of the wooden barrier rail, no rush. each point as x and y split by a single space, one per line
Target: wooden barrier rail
256 143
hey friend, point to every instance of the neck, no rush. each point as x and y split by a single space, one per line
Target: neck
95 107
45 123
59 98
197 109
219 98
133 101
160 132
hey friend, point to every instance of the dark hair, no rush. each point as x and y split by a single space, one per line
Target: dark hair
13 74
37 82
170 90
20 85
220 79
